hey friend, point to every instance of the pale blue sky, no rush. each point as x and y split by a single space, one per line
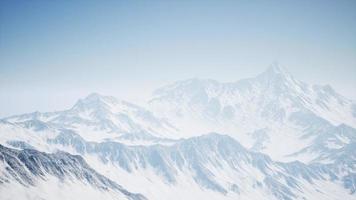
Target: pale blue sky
54 52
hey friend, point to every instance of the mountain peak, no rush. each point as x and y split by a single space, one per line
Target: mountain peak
94 96
276 71
276 68
95 100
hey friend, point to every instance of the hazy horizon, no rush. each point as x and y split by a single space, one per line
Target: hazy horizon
134 97
52 53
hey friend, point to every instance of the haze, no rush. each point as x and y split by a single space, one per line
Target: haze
54 52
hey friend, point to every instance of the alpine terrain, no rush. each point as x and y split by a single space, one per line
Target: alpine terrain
267 137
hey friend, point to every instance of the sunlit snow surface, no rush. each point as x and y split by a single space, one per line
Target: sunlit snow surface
267 137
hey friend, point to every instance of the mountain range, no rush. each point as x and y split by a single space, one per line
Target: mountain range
267 137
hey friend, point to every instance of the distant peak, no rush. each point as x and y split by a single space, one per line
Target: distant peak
93 96
276 70
99 97
95 99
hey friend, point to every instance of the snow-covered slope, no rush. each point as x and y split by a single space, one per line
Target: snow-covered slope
331 144
53 176
214 163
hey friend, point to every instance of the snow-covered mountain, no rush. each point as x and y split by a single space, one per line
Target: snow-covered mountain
273 96
99 117
275 138
274 101
25 174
